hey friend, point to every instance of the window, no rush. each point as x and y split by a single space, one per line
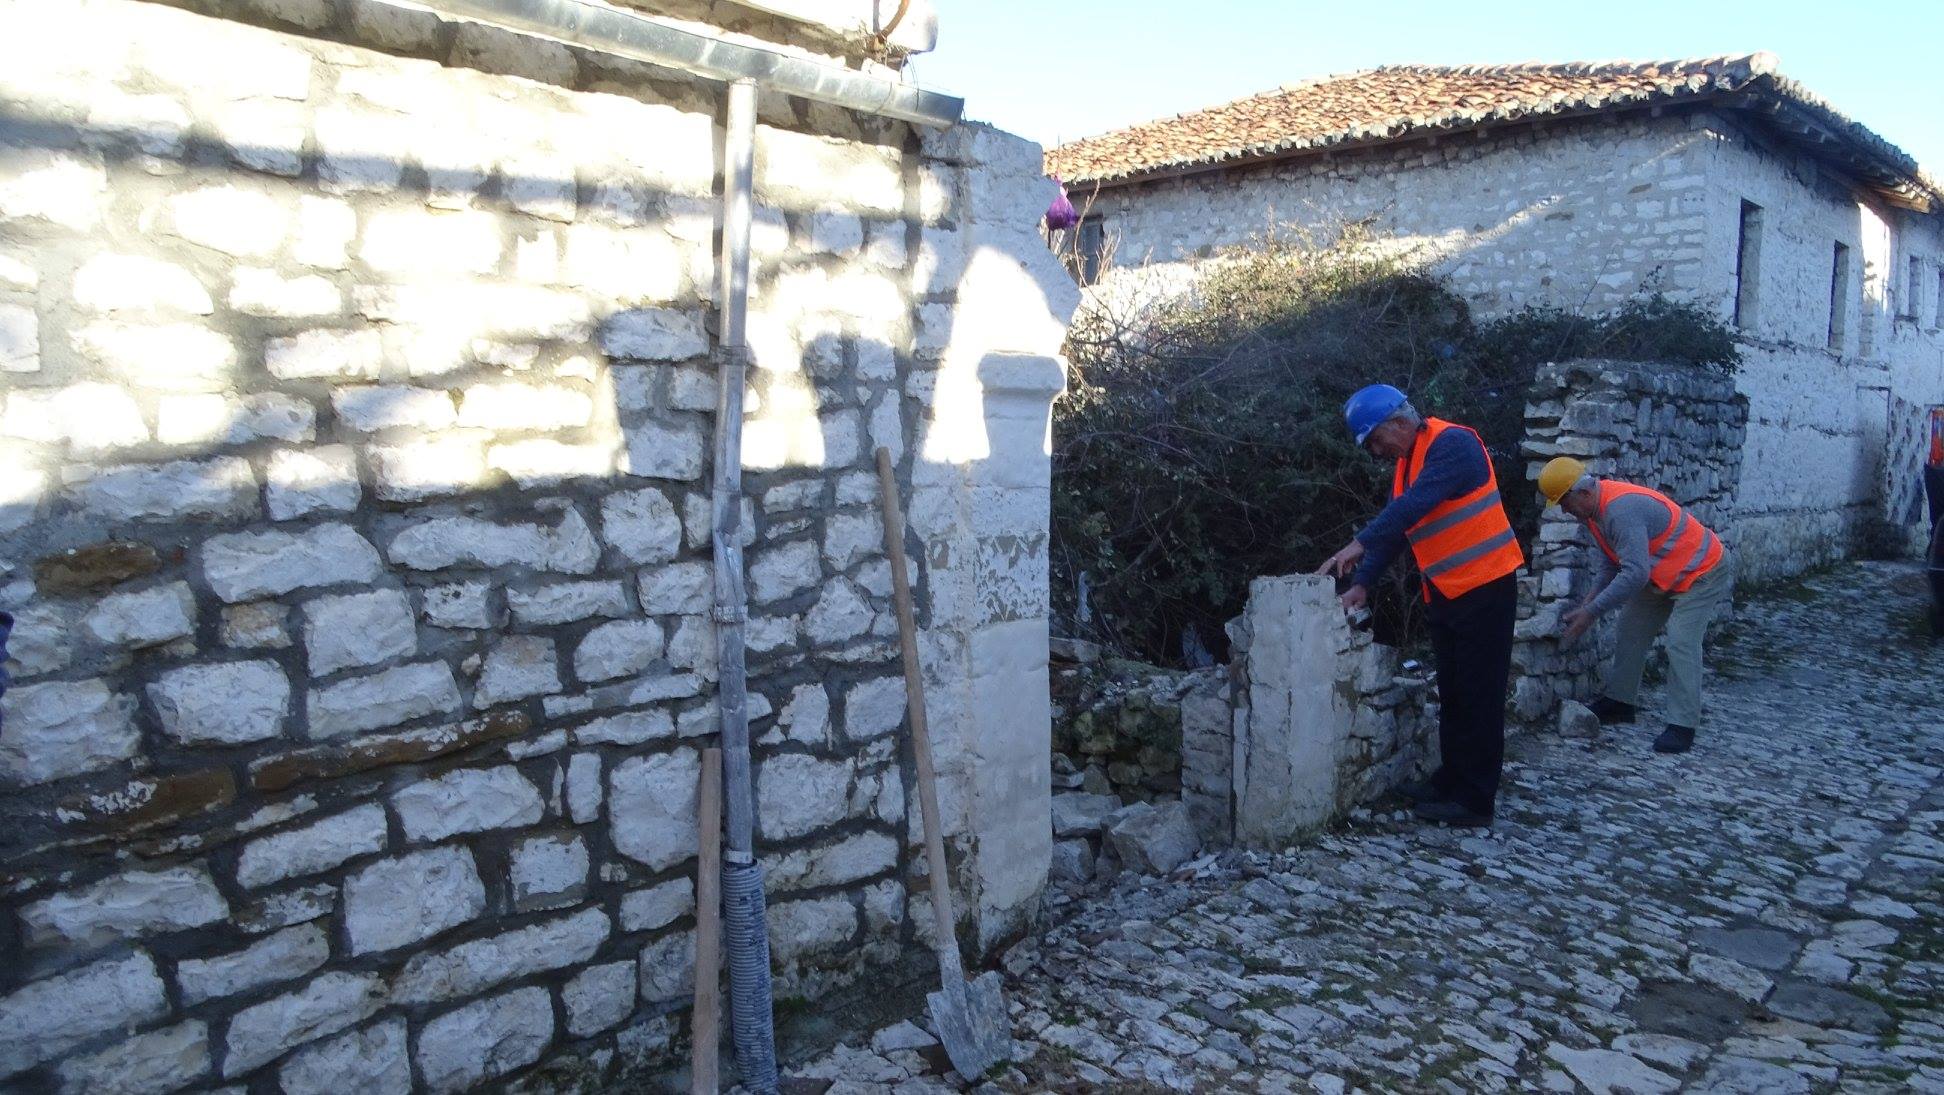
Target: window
1913 288
1091 249
1839 298
1748 264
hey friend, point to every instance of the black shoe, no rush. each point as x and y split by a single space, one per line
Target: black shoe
1675 739
1424 790
1452 814
1612 712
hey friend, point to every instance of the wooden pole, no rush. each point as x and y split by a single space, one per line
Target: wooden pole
708 929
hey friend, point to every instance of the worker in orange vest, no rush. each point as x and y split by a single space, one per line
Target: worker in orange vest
1664 570
1445 505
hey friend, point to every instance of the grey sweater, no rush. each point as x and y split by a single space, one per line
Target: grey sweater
1630 522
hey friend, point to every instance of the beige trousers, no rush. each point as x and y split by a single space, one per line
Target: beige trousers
1685 618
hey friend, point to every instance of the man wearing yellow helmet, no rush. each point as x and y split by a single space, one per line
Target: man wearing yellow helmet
1668 570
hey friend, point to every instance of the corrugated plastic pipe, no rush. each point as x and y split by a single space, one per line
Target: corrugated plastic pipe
745 933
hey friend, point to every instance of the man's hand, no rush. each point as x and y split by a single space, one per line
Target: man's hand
1344 561
1354 598
1576 622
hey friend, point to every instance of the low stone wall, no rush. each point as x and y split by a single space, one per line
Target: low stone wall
355 506
1676 429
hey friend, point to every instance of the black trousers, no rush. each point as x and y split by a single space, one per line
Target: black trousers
1471 640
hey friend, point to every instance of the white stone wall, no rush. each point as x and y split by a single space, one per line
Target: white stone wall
1586 215
1571 215
354 472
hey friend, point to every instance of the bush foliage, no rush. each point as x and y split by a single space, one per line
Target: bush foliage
1201 441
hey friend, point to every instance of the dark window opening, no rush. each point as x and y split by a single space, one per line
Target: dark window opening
1090 249
1748 264
1913 288
1839 298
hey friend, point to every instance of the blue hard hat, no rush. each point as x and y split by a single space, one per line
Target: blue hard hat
1370 407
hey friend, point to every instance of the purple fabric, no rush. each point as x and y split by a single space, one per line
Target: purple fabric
1061 214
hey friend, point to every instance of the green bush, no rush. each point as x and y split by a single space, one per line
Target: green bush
1201 442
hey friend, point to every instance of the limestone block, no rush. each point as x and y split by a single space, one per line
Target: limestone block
124 906
358 629
166 356
131 283
677 589
418 243
318 846
543 463
849 860
599 998
325 227
383 699
396 902
48 1017
147 617
370 1061
462 1048
801 929
657 906
89 417
782 570
565 602
1576 720
806 717
288 954
461 605
797 794
465 541
226 703
154 1063
667 967
1153 839
389 406
800 170
653 334
246 566
517 667
53 186
642 526
1079 814
325 355
328 1004
64 728
550 872
235 220
469 800
651 807
641 265
217 419
631 728
584 788
428 469
474 967
320 480
524 407
260 292
264 135
617 649
221 487
664 452
19 339
842 613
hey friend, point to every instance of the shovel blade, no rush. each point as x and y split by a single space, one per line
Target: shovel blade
972 1023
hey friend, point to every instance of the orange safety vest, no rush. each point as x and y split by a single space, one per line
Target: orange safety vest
1467 541
1681 554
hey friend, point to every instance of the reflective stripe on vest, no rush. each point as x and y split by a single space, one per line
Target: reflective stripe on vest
1680 555
1467 541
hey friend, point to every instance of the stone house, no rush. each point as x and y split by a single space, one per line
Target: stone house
358 370
1580 186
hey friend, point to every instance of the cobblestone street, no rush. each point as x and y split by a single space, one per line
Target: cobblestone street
1760 915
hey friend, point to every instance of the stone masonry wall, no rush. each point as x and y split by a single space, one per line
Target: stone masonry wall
1673 428
355 401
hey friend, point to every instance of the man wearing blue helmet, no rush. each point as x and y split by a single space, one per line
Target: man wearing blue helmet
1445 504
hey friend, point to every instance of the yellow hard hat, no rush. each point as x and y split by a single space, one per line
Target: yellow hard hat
1558 477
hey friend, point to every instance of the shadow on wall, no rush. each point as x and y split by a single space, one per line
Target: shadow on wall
383 622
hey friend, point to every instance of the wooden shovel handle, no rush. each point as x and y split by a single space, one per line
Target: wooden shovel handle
941 893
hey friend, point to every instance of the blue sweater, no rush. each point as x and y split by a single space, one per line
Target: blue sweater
1454 465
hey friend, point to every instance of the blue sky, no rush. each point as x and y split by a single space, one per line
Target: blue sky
1057 71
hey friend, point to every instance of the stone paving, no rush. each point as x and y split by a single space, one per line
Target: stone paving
1760 915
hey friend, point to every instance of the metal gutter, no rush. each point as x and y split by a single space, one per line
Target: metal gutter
610 30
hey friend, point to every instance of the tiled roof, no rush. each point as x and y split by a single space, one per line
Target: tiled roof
1396 101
